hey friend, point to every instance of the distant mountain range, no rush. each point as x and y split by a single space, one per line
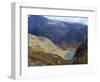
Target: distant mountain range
63 34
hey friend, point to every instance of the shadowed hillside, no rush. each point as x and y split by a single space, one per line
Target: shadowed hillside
63 34
80 56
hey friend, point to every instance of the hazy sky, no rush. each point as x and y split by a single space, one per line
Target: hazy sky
82 20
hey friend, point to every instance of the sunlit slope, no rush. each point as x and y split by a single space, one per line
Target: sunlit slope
43 44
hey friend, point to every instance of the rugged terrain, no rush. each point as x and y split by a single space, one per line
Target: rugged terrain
81 55
42 51
53 42
63 34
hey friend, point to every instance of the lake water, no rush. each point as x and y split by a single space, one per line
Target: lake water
69 55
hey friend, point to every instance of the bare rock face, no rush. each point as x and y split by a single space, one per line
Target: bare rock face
81 55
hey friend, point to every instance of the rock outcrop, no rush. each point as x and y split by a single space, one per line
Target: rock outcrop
81 55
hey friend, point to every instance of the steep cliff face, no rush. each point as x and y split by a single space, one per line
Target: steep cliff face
81 55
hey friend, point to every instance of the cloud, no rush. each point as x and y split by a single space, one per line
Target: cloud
82 20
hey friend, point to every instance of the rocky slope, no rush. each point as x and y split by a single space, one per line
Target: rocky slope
81 55
42 58
42 51
42 44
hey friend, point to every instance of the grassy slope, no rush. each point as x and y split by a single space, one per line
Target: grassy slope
43 50
43 44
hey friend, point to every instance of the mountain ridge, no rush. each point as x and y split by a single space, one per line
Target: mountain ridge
63 34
